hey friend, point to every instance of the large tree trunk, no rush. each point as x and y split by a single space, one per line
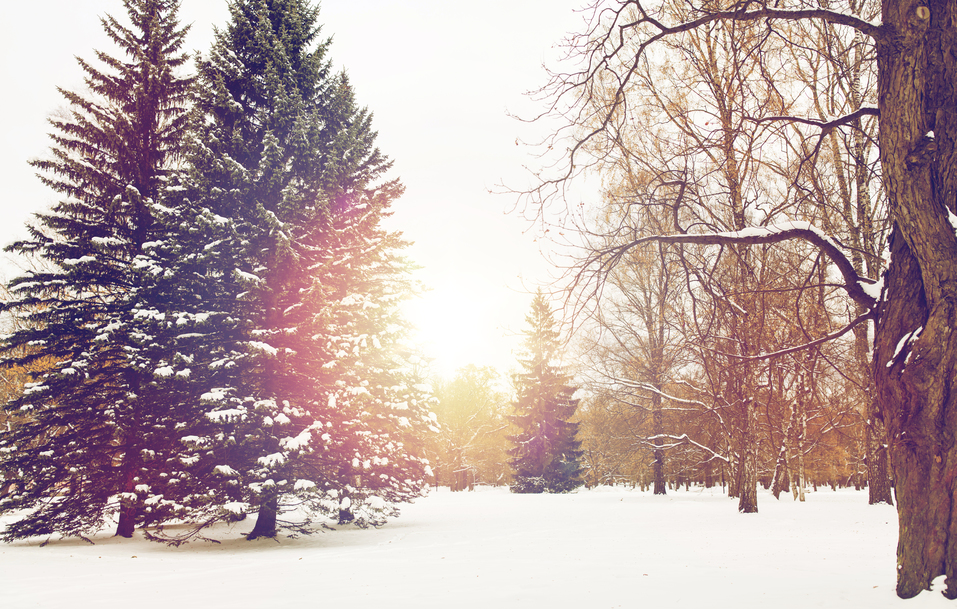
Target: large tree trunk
918 406
266 520
127 520
915 344
129 504
779 478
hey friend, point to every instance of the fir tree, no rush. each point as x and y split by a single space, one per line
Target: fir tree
545 454
96 424
287 288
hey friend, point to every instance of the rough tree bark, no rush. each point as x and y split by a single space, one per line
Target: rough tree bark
915 363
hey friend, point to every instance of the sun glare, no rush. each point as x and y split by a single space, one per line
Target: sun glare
456 327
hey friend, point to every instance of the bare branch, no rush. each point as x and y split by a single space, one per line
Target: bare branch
825 126
814 343
684 439
742 14
652 389
853 282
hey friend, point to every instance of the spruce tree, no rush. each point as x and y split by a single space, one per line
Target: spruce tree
287 287
545 456
94 423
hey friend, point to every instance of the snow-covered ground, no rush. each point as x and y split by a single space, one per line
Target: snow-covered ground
608 547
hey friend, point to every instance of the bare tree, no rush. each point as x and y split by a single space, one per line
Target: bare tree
612 434
838 74
915 346
636 345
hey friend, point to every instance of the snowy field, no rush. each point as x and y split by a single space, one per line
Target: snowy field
609 547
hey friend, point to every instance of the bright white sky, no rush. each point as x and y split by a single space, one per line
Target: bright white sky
439 77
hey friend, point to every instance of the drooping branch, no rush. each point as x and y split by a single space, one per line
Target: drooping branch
853 284
814 343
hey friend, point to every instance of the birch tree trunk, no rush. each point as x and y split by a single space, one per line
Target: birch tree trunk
781 467
659 453
800 480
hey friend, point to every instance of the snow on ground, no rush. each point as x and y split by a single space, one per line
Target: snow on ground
608 547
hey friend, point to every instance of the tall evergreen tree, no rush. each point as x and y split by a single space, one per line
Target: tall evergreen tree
287 288
545 455
95 422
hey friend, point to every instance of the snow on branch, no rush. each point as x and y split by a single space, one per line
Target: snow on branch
193 532
682 440
653 389
702 407
855 285
621 400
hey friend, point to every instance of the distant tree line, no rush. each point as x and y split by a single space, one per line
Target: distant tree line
528 442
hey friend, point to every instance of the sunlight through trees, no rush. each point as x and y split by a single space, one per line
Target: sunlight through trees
216 302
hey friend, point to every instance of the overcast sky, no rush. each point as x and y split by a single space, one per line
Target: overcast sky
439 77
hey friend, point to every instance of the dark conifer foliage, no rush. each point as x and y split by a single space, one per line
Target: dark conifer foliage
94 430
224 337
545 455
287 288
